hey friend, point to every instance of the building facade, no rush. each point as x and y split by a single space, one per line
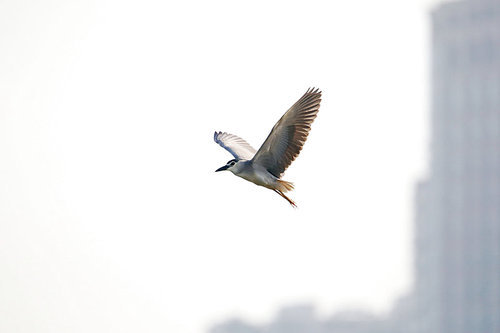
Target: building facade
458 206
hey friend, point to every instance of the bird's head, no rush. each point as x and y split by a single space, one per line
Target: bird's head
230 164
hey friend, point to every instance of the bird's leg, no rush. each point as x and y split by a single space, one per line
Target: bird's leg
290 201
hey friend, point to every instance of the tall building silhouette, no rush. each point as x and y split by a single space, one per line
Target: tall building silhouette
458 206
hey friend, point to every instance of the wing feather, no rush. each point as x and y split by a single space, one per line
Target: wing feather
238 147
288 136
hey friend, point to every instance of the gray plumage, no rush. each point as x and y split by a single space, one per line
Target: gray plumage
282 146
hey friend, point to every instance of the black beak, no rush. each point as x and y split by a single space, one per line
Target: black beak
222 168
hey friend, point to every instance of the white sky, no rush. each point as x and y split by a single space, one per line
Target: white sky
111 216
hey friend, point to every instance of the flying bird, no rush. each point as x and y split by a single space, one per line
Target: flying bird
266 166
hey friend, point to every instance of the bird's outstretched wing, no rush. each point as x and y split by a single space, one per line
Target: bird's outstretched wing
238 147
287 137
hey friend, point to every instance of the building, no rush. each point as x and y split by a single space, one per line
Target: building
302 318
458 206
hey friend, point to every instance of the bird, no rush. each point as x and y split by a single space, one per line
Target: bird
266 166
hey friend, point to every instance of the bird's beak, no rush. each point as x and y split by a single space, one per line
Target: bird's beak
222 168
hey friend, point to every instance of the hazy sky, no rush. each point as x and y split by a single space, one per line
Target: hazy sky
111 216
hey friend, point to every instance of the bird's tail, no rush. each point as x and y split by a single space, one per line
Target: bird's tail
284 186
290 201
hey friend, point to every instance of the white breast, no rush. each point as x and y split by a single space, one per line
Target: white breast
257 175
